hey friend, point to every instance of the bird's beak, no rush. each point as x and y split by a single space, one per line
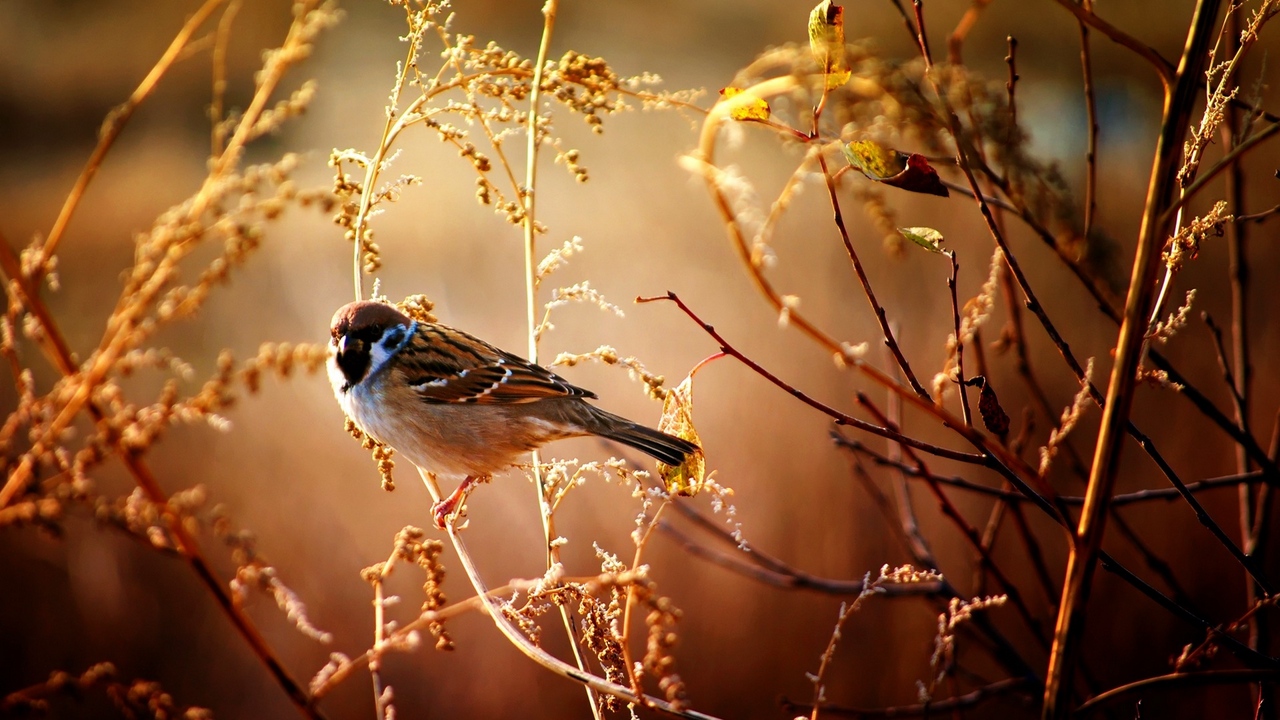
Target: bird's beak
342 344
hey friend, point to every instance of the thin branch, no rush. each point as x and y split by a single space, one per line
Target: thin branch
1138 496
955 43
876 307
968 531
959 702
114 124
1091 112
1177 680
840 417
184 542
1115 416
1162 66
955 321
542 658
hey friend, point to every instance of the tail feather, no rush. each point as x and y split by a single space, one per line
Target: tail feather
656 444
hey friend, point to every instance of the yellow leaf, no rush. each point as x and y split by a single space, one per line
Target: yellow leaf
744 105
925 237
677 419
826 40
874 160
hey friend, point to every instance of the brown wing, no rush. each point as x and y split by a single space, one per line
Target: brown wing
451 366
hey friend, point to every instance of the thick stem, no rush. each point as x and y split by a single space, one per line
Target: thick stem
1088 541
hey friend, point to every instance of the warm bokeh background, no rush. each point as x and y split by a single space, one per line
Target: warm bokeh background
287 471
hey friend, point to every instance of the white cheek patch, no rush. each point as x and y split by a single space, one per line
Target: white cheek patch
391 342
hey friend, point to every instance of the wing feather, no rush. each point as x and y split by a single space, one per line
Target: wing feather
450 366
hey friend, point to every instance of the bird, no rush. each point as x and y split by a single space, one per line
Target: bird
458 407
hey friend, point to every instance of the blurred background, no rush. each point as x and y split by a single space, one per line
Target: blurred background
287 471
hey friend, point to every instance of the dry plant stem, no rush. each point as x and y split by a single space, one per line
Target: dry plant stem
625 638
958 702
389 131
1177 680
217 135
1085 15
1243 653
555 665
184 542
1229 159
766 568
955 43
1239 371
529 196
997 458
429 617
1250 564
955 319
793 580
125 315
968 531
1088 544
839 417
1091 110
923 554
379 637
1247 479
114 124
876 307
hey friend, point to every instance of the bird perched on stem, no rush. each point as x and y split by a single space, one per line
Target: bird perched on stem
458 407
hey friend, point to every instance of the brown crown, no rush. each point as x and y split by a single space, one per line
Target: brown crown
357 316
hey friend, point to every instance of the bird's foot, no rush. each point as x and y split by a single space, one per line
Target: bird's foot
449 509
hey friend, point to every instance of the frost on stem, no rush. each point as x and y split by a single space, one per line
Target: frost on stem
1070 416
944 644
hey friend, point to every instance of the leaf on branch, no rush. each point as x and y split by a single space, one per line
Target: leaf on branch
826 39
886 165
743 105
993 415
677 419
925 237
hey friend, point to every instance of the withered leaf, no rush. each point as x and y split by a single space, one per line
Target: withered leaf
677 419
826 40
993 415
886 165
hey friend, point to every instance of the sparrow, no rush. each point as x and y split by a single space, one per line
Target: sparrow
458 407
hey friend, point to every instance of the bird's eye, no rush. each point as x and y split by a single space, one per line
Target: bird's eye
392 338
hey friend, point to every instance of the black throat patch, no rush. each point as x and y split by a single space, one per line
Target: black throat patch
353 361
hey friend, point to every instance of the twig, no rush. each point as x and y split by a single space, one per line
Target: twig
1170 493
840 417
1091 111
1176 680
876 307
792 580
1250 564
185 543
907 519
218 133
540 656
1084 552
959 702
114 124
955 323
968 531
1011 85
955 43
1162 66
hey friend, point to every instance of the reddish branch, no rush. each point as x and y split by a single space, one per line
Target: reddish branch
186 544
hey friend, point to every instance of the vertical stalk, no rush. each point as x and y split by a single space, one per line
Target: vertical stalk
1087 542
528 195
1237 261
